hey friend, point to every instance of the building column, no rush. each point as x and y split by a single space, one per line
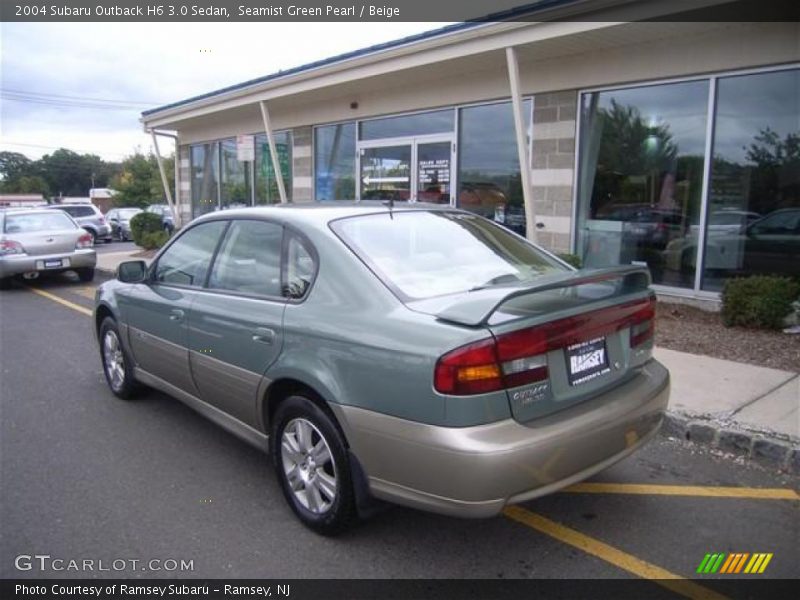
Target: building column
522 144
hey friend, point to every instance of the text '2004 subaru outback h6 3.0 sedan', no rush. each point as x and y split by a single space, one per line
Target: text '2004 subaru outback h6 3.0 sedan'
420 355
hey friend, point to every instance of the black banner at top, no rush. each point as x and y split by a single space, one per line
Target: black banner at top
396 10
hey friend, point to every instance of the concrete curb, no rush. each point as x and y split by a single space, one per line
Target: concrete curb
767 448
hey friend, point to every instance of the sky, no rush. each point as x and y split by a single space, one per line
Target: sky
83 86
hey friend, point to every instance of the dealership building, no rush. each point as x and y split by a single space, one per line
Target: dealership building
675 144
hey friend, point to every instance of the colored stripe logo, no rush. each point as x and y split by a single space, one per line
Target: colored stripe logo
734 563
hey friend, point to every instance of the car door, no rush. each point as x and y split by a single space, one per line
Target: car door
157 310
235 325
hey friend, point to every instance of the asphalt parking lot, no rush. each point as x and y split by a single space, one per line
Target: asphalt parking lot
85 475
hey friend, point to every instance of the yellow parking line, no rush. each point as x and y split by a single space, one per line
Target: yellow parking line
67 303
684 490
614 556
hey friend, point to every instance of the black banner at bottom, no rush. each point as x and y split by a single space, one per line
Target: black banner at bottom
383 589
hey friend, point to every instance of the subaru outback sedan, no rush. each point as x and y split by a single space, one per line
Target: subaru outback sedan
420 355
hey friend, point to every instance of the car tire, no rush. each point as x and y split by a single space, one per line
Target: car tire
85 274
108 240
312 465
117 365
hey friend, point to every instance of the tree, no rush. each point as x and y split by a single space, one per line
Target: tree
139 181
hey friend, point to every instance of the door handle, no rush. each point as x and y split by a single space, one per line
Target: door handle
176 314
263 335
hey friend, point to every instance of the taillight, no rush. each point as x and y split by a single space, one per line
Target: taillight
10 247
471 369
520 357
84 241
643 324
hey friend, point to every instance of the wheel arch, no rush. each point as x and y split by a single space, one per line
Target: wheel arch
101 312
283 387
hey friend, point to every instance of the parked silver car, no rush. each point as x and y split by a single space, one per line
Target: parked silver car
418 354
89 217
120 221
37 240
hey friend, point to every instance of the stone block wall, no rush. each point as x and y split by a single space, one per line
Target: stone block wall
552 175
302 176
183 195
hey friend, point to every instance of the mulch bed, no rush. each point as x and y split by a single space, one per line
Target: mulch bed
689 329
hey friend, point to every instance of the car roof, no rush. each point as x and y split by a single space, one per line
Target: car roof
316 213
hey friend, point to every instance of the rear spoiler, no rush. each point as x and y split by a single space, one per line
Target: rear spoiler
476 307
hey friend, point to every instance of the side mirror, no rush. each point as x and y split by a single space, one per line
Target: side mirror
132 271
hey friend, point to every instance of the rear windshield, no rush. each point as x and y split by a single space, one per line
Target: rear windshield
127 213
43 221
425 254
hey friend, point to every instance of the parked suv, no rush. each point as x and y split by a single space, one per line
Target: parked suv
90 218
162 210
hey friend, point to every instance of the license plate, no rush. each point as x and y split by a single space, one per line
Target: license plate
53 263
586 361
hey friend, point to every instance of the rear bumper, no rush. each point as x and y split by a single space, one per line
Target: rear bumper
476 471
17 265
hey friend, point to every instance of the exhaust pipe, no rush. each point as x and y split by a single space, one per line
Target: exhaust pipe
31 275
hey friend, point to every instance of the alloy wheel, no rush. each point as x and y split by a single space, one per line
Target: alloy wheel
308 466
114 360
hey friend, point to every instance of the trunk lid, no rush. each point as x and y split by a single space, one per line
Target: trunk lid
42 243
583 332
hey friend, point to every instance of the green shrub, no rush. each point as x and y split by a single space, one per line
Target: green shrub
145 223
572 259
152 240
758 301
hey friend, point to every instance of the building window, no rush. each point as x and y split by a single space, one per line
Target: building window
489 180
753 224
642 155
334 162
235 181
205 178
439 121
266 184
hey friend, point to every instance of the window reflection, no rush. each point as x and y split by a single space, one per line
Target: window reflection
754 198
266 185
640 177
235 181
439 121
489 180
205 178
334 162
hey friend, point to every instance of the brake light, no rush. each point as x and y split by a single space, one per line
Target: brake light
520 357
643 324
471 369
84 241
10 247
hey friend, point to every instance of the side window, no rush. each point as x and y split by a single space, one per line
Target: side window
300 267
187 260
249 260
85 211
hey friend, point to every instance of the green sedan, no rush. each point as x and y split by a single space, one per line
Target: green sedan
414 354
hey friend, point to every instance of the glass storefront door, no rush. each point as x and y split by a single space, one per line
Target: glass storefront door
416 169
386 173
